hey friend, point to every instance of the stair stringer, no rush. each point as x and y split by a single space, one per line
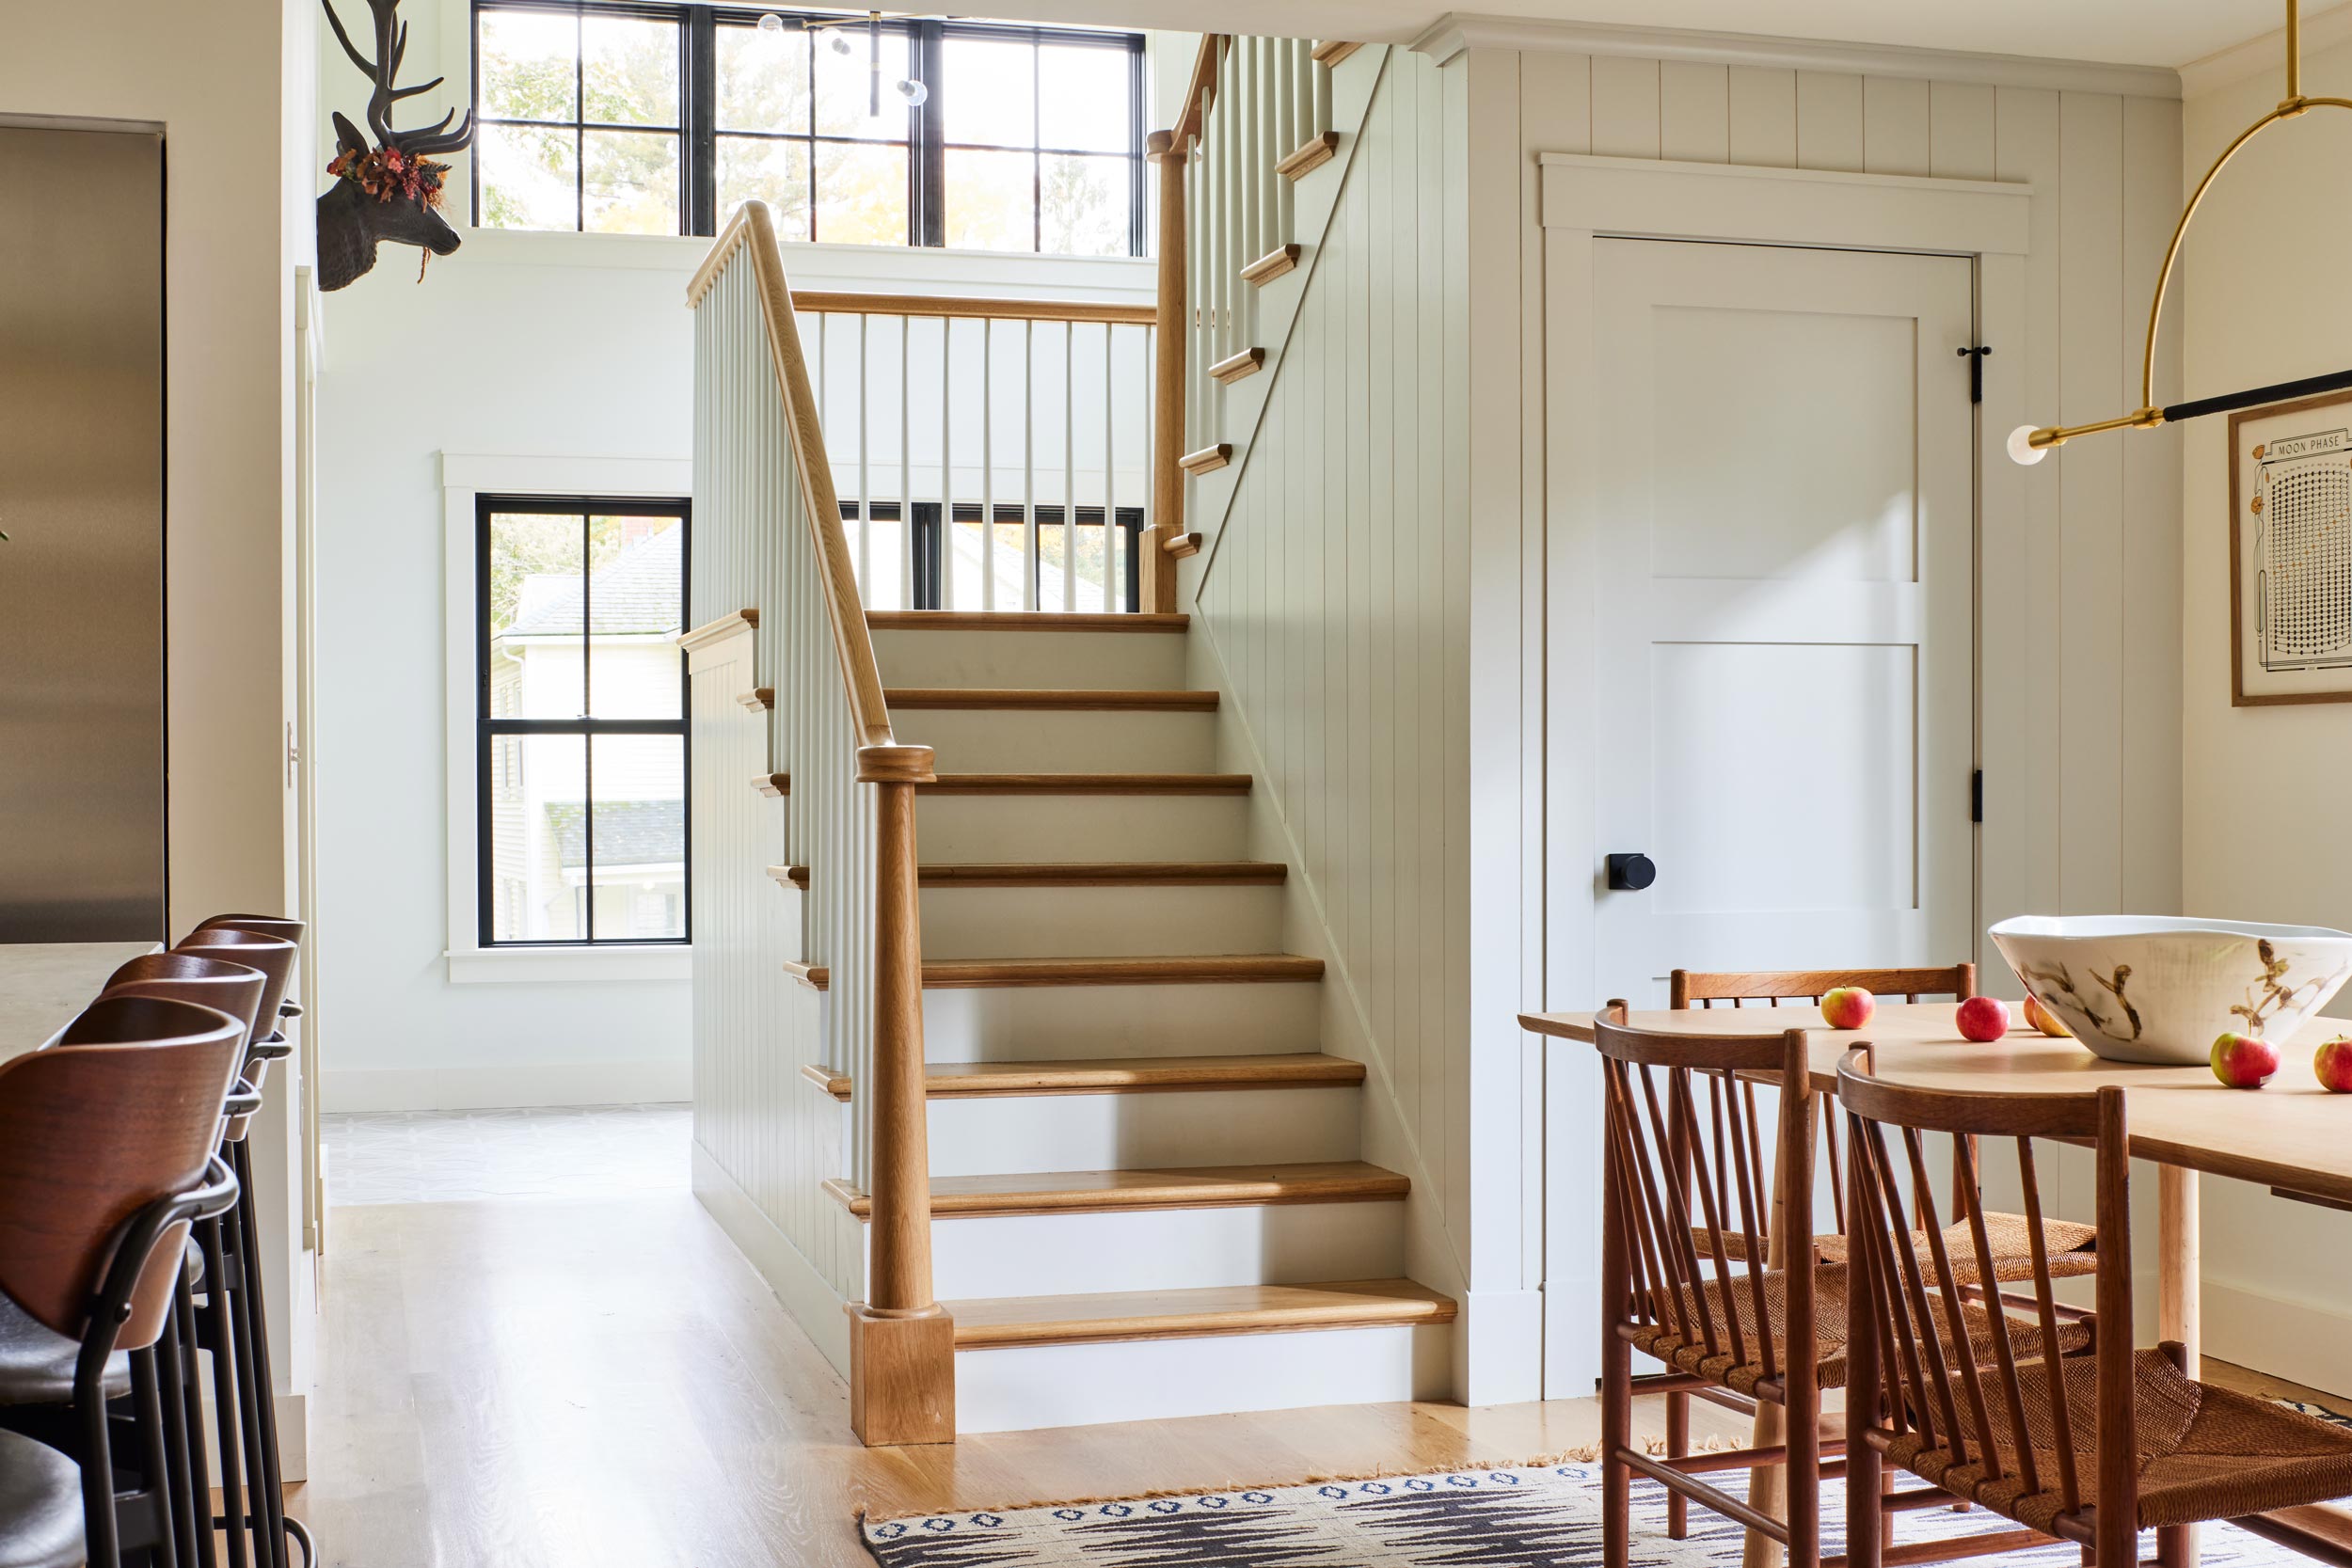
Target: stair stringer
1354 84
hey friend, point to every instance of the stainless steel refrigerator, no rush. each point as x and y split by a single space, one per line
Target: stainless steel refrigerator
82 502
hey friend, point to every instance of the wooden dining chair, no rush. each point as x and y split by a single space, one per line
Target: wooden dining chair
1675 1152
2089 1448
107 1154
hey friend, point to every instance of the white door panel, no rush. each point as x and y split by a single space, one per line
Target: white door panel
1786 488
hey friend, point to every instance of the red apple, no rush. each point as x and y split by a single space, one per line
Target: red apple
2332 1066
1983 1017
1848 1007
2044 1020
2244 1062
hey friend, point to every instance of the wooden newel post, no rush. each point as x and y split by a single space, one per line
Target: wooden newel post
902 1348
1168 383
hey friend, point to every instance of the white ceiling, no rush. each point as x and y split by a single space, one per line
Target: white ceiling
2130 32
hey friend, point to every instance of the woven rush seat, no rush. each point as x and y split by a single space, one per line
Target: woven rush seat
2206 1453
2071 1247
1660 1338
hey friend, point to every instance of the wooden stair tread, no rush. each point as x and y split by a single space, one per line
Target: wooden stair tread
1048 699
1174 1314
1118 1075
1185 970
1021 620
1078 1192
979 874
1088 784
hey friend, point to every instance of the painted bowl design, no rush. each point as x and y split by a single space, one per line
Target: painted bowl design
2157 989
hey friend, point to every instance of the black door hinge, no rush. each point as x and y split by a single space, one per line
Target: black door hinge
1976 371
1975 796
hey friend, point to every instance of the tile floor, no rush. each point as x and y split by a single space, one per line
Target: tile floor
569 1151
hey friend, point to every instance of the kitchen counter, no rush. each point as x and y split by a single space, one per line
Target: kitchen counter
43 985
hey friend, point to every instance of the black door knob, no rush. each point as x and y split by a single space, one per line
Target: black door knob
1630 873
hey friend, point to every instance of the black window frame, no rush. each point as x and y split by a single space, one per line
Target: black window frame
488 729
927 147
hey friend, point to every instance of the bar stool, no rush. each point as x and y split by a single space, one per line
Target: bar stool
107 1154
236 990
234 1325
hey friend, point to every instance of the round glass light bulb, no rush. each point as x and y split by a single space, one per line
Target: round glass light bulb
914 92
837 41
2020 448
772 23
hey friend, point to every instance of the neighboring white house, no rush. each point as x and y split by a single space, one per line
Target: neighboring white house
547 852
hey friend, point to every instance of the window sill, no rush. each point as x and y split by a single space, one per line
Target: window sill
475 965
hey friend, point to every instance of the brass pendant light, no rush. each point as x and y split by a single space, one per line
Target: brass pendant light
2028 445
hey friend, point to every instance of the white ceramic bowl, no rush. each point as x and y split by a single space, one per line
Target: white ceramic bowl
2159 990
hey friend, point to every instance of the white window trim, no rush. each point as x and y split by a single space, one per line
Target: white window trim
465 476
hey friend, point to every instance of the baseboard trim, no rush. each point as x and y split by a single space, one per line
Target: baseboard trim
483 1089
1498 1347
813 1304
2303 1341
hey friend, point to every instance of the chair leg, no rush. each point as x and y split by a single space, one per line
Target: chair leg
1678 1445
271 1508
192 1424
184 1478
221 1341
248 1381
1616 1433
2176 1545
161 1478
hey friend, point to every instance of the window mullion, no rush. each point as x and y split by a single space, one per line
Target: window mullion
699 113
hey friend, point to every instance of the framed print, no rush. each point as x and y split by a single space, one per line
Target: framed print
2291 552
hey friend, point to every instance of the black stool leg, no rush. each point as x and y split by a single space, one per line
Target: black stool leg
184 1478
220 1338
270 1510
161 1482
192 1423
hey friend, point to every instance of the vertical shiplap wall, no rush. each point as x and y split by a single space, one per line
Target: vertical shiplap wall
2100 608
1334 605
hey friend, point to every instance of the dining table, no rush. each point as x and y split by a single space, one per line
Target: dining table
2291 1136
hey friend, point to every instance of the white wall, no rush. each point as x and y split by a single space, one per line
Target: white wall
2264 787
228 85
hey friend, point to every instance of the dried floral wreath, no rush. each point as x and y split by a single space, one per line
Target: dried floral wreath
387 172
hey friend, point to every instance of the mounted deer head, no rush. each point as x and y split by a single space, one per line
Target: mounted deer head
389 193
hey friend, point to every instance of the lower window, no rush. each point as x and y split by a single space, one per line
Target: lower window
581 728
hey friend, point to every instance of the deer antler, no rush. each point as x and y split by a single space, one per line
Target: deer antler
391 46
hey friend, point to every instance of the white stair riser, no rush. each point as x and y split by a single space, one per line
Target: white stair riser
1057 1022
1099 921
1098 660
1081 827
1019 741
1019 1387
1164 1249
1003 1134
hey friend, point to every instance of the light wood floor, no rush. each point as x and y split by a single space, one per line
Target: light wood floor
609 1383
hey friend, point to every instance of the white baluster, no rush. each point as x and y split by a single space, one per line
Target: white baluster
1110 488
988 466
1069 466
864 504
947 585
1029 466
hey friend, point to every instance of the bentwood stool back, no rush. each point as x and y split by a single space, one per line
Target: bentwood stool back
2090 1449
1680 1184
234 1323
107 1146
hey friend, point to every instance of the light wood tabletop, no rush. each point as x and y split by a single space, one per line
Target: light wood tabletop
45 985
2289 1135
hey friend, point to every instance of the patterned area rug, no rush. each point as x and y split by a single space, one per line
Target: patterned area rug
1542 1516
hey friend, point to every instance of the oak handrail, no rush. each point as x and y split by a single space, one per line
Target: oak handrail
971 308
860 675
902 1383
1202 91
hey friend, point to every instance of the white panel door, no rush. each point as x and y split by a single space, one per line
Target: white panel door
1786 555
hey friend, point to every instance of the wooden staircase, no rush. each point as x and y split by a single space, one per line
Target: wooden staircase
1126 1224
